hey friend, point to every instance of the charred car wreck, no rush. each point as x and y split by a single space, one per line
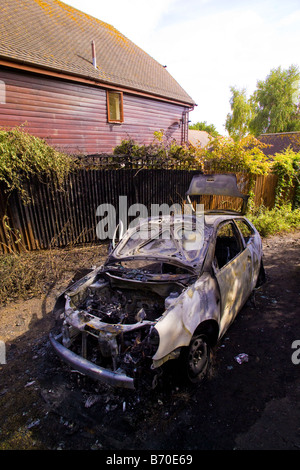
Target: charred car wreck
168 290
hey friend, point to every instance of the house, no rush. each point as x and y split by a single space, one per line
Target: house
198 138
79 83
279 142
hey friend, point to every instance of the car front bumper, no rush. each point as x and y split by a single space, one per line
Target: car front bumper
88 368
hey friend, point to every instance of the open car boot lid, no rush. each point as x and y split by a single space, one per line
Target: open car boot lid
217 185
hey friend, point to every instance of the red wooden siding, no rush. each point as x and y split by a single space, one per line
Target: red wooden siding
73 117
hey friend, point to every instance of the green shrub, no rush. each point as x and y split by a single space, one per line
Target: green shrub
286 166
23 155
245 154
276 220
161 153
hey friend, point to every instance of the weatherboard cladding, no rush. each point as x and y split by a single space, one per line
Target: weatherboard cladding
51 35
72 116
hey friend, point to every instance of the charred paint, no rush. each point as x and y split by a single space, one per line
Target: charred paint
141 310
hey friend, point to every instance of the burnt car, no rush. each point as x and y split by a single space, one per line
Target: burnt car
168 291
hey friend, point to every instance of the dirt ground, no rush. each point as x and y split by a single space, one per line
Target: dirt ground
253 405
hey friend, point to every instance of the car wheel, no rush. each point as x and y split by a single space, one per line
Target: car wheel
261 275
198 358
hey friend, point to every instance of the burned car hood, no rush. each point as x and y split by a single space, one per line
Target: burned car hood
178 240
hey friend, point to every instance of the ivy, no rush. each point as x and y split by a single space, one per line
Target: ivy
22 155
286 166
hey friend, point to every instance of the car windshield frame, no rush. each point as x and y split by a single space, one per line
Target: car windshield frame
168 239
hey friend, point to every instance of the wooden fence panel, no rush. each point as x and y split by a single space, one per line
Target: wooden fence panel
264 191
68 216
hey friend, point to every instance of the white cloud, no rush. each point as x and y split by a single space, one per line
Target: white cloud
291 19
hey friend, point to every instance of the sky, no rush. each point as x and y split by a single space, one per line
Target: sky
208 45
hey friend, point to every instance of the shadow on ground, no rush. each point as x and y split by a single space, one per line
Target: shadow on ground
253 405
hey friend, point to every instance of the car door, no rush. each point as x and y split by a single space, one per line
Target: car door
253 242
232 268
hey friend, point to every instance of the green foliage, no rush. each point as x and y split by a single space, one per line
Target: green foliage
23 155
273 107
237 123
244 155
224 154
275 102
276 220
203 126
286 166
161 153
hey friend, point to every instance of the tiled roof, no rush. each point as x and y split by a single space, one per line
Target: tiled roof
198 138
280 142
52 35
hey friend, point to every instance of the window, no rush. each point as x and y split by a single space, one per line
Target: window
228 245
115 106
245 229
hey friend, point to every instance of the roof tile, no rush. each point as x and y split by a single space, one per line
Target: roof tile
53 35
279 142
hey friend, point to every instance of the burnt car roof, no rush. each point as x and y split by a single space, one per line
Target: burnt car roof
189 252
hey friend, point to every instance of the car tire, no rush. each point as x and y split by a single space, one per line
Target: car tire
261 279
197 358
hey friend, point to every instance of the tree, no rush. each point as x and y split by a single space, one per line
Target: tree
203 126
276 102
237 123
